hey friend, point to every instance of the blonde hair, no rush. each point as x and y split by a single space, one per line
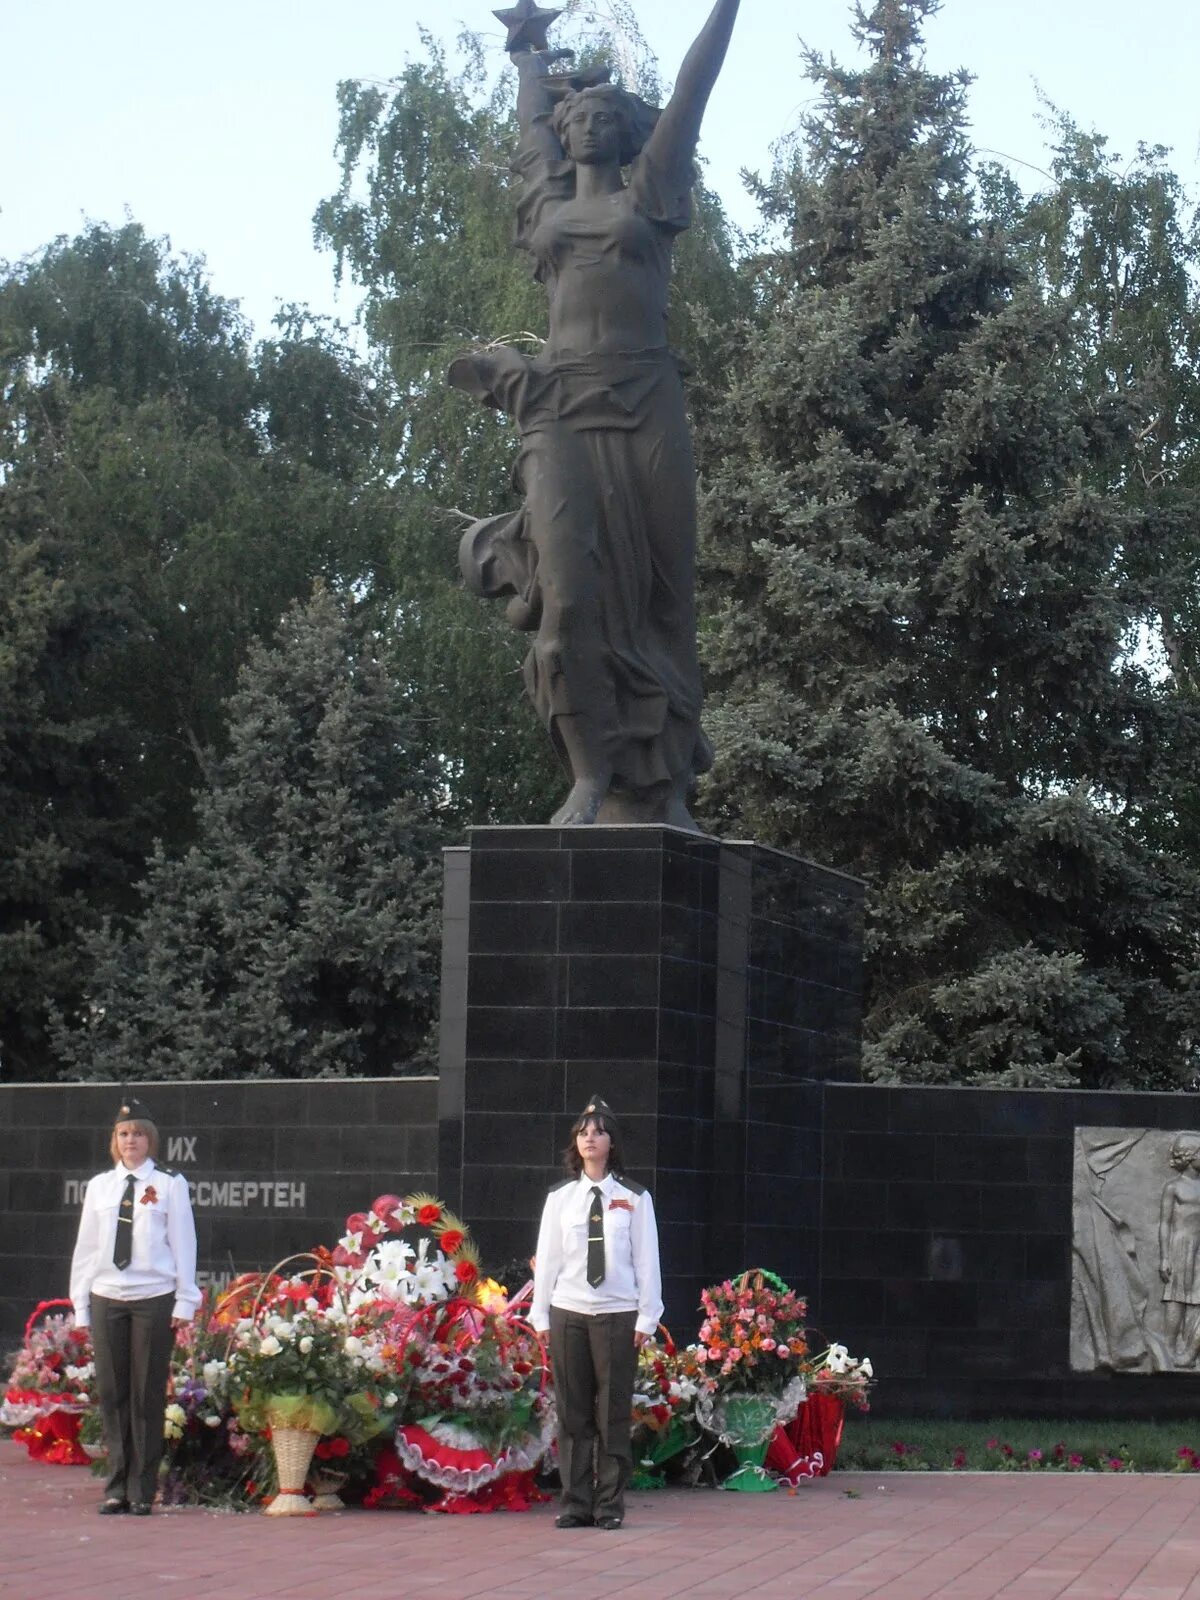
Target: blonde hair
143 1126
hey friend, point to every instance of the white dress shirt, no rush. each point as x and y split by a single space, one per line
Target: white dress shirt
632 1281
163 1246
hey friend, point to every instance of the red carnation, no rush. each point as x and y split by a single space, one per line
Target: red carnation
466 1272
428 1215
357 1223
452 1240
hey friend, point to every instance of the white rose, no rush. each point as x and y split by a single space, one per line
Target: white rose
306 1344
212 1422
353 1345
270 1346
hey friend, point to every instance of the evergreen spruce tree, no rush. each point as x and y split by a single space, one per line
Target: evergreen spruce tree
297 937
922 614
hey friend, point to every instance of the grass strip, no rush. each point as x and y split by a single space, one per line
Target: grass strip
1018 1444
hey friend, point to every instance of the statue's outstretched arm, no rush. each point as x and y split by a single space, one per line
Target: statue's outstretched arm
674 140
534 101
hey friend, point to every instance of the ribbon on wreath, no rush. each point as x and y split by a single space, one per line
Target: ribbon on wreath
808 1446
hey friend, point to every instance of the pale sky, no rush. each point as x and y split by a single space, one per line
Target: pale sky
215 125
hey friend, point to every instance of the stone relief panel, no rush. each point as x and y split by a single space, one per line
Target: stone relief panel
1135 1279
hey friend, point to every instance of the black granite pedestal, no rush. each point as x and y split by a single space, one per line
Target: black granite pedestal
704 989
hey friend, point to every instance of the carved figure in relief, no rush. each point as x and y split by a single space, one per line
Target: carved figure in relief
1179 1249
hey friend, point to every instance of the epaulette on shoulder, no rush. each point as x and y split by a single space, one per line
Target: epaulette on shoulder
629 1183
566 1183
167 1172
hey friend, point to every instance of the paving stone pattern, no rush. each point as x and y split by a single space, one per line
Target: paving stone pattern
901 1537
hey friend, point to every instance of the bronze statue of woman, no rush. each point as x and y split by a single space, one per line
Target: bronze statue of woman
599 563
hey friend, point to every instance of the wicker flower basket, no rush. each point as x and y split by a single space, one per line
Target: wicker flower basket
293 1449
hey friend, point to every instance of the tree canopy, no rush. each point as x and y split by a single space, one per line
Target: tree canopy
296 937
923 609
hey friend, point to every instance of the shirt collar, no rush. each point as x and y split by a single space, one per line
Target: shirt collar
140 1173
604 1184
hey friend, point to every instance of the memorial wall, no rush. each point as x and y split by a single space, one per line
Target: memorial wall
998 1253
272 1168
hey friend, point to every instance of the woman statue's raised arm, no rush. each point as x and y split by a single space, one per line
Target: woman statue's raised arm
674 140
535 102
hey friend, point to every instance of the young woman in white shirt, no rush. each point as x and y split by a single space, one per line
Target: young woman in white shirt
597 1291
133 1282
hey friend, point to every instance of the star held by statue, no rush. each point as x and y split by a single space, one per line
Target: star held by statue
527 25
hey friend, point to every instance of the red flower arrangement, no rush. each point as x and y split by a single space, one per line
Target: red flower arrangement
752 1338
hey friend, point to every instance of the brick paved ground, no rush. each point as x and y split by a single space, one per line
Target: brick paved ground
896 1536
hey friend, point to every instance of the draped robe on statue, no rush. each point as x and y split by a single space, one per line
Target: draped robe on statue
599 561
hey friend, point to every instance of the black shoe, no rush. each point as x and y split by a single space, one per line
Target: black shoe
113 1507
139 1508
609 1524
569 1520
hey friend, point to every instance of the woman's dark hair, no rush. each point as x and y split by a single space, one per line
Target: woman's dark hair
634 116
604 1123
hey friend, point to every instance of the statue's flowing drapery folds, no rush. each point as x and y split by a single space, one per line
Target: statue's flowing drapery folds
598 563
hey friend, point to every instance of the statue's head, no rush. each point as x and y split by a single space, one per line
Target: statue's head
1185 1149
603 124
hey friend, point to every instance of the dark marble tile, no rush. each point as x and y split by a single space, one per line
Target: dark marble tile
864 1154
852 1302
514 1085
1026 1208
36 1107
511 1139
871 1252
519 876
1049 1160
526 837
860 1106
300 1149
509 1032
598 980
505 1192
1048 1257
517 980
679 984
919 1302
683 1091
962 1157
631 1087
919 1110
861 1204
599 876
689 935
618 1033
949 1207
1020 1304
617 928
501 929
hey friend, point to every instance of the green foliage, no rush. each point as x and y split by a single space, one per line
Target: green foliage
65 840
181 490
297 936
920 610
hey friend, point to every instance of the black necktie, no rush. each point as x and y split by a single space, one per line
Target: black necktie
123 1244
595 1261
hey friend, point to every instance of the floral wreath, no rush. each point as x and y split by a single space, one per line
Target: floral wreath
391 1214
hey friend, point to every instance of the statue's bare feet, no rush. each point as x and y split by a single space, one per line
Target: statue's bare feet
580 807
